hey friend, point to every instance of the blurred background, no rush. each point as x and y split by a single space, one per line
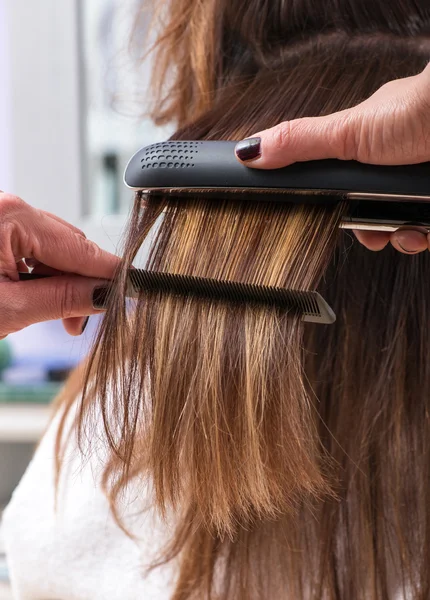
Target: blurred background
72 104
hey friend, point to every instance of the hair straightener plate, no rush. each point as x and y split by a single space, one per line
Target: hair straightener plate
381 198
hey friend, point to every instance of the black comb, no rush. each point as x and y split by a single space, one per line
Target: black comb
310 305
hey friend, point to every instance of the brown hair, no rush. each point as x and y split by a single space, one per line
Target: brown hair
295 459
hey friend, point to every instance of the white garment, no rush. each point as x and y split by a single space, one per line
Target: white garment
78 552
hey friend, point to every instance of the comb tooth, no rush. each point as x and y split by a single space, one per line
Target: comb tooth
163 280
266 293
236 293
315 304
141 281
263 294
295 299
234 290
132 279
305 302
135 277
286 298
242 290
312 308
146 282
175 284
155 280
311 305
302 302
178 285
308 302
237 290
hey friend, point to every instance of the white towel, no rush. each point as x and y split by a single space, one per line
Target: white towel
79 553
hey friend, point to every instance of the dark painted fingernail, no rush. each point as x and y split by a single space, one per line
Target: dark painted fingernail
84 325
248 149
100 296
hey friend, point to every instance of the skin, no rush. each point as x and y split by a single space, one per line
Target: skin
34 238
392 127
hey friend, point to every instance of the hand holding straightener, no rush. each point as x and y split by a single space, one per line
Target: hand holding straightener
392 127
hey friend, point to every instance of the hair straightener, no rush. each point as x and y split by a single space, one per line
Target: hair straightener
380 198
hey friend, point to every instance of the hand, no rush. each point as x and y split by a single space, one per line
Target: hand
392 127
31 237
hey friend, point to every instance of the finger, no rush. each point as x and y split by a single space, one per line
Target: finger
29 232
67 251
25 303
309 138
409 241
60 220
373 240
75 325
69 225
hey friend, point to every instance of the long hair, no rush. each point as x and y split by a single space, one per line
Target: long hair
295 458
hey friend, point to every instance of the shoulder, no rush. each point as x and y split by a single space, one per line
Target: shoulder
46 540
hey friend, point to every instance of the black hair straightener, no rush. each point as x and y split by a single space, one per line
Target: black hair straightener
380 198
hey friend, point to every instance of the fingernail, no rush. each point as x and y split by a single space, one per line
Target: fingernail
248 149
406 250
411 241
100 296
84 325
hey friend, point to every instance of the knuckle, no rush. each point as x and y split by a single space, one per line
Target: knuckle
10 205
14 317
290 134
281 135
347 136
6 227
69 299
88 250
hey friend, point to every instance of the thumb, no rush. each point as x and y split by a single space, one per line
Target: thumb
24 303
309 138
